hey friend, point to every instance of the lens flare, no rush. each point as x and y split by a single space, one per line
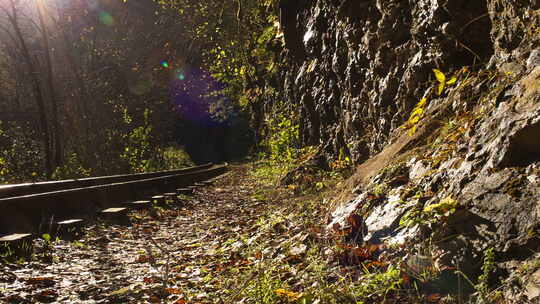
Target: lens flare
180 74
106 18
164 64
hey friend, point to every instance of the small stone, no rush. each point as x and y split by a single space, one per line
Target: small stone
418 170
534 59
532 290
298 250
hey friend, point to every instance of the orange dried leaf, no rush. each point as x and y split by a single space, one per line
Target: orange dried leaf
434 298
172 291
405 278
289 294
355 221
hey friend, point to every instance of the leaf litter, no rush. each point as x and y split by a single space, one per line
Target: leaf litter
221 246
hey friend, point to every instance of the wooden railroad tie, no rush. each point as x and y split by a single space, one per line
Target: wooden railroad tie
69 228
171 197
115 214
158 200
18 244
184 191
139 205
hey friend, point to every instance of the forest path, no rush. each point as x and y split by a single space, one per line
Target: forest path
185 247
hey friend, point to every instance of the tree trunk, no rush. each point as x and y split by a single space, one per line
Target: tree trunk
38 91
58 134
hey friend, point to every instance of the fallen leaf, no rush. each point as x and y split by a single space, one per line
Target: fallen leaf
172 291
47 296
41 281
433 298
119 292
289 294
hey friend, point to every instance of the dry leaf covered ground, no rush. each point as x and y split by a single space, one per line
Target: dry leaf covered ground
241 240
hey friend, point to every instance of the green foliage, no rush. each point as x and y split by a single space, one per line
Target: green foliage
20 158
46 237
262 288
379 283
137 151
238 42
429 214
488 267
283 141
342 163
72 168
175 157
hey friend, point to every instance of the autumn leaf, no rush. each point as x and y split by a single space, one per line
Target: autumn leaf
376 264
149 280
441 78
412 130
144 259
421 103
434 298
443 206
288 294
405 278
355 221
41 281
439 75
172 291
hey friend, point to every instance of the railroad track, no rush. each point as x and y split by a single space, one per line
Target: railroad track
29 209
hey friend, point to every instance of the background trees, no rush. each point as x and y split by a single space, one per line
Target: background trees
107 86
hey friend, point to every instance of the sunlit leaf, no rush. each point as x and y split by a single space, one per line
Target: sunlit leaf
422 102
439 75
417 112
289 294
414 119
412 130
355 221
434 297
451 81
441 88
443 206
172 291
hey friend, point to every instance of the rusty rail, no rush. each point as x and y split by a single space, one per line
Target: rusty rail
50 186
85 197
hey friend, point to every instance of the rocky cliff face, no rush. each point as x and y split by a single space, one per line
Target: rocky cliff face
361 66
468 179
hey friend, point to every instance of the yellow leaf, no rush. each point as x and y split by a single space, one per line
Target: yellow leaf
417 112
443 206
412 130
439 75
422 102
441 88
286 293
414 120
451 81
